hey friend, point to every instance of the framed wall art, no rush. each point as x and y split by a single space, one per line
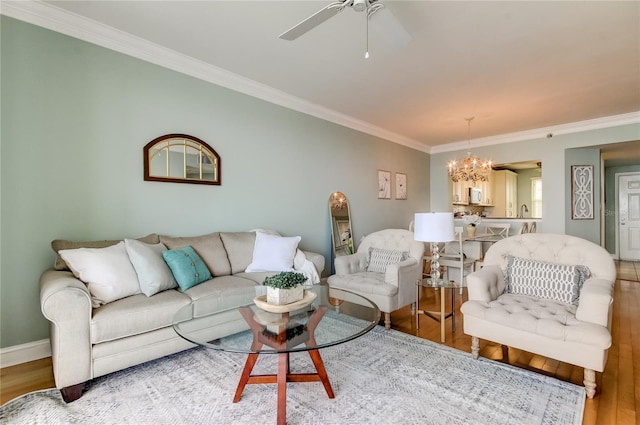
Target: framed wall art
384 184
582 192
401 186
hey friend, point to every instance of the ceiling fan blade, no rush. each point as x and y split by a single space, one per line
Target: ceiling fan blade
388 27
314 20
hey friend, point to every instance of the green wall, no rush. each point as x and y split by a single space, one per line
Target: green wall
75 118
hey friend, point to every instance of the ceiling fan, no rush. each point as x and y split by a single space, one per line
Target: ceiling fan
381 17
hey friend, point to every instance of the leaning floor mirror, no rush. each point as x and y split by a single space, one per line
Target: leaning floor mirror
341 234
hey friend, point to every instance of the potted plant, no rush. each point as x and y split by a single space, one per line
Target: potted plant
284 288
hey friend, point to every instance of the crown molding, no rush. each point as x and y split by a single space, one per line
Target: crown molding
541 133
53 18
77 26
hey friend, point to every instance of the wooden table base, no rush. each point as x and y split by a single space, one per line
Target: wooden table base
284 374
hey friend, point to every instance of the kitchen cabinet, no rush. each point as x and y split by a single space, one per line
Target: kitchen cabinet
505 186
460 193
487 191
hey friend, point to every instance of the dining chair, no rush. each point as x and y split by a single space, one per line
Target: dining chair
500 229
532 227
524 228
455 258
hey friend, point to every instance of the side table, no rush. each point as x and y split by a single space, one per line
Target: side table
442 315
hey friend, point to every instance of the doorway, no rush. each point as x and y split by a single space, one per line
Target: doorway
628 217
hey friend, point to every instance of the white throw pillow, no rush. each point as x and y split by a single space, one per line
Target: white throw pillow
273 253
153 273
108 273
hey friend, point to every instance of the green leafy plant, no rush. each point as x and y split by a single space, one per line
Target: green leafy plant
285 280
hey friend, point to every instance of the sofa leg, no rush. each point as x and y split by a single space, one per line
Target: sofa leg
590 382
72 393
475 347
387 321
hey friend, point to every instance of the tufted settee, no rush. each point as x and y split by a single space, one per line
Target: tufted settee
373 272
577 332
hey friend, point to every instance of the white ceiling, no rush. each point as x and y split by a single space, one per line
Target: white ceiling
515 66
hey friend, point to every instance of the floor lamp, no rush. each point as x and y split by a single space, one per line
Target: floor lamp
434 227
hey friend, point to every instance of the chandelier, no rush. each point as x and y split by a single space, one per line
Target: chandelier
470 168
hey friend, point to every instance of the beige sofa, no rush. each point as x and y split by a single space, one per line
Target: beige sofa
89 340
577 332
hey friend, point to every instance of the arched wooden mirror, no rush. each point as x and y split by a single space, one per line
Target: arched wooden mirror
341 230
179 158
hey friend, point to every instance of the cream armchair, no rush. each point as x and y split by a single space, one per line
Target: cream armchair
384 270
516 300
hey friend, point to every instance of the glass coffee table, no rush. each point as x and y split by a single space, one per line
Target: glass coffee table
231 321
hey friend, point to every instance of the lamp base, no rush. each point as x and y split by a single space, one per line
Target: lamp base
435 264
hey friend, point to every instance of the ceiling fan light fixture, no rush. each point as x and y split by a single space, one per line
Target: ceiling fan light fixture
359 5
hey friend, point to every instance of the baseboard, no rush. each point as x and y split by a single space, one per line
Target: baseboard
23 353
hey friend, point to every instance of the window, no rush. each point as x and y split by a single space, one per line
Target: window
536 197
180 158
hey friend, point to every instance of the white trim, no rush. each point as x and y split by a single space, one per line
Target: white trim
80 27
541 133
56 19
23 353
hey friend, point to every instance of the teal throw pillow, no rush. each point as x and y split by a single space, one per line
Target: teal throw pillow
187 267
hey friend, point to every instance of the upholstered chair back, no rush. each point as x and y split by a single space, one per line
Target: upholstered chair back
394 239
553 248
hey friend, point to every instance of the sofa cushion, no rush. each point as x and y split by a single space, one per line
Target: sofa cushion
209 248
547 318
272 253
380 258
135 315
153 273
541 279
187 267
239 247
219 283
363 283
108 273
60 244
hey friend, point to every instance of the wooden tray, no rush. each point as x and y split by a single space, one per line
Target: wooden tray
261 301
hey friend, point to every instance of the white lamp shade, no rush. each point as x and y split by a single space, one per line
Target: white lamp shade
434 227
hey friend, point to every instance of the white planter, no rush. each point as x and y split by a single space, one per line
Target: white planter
278 296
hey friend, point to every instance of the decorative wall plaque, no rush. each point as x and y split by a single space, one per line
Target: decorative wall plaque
582 192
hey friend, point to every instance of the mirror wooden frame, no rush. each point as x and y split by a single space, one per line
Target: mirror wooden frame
206 155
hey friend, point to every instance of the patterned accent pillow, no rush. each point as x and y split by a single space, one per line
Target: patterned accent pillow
545 280
380 258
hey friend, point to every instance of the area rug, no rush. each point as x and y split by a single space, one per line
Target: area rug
383 377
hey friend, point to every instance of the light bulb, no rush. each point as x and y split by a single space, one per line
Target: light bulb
366 55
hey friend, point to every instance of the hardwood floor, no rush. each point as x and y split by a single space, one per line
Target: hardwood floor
617 399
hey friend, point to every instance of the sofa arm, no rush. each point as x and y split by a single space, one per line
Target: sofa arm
316 259
66 303
349 264
596 301
486 284
404 275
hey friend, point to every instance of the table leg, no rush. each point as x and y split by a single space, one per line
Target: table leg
418 312
442 314
283 371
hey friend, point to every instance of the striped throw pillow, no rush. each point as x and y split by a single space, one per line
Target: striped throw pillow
380 258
